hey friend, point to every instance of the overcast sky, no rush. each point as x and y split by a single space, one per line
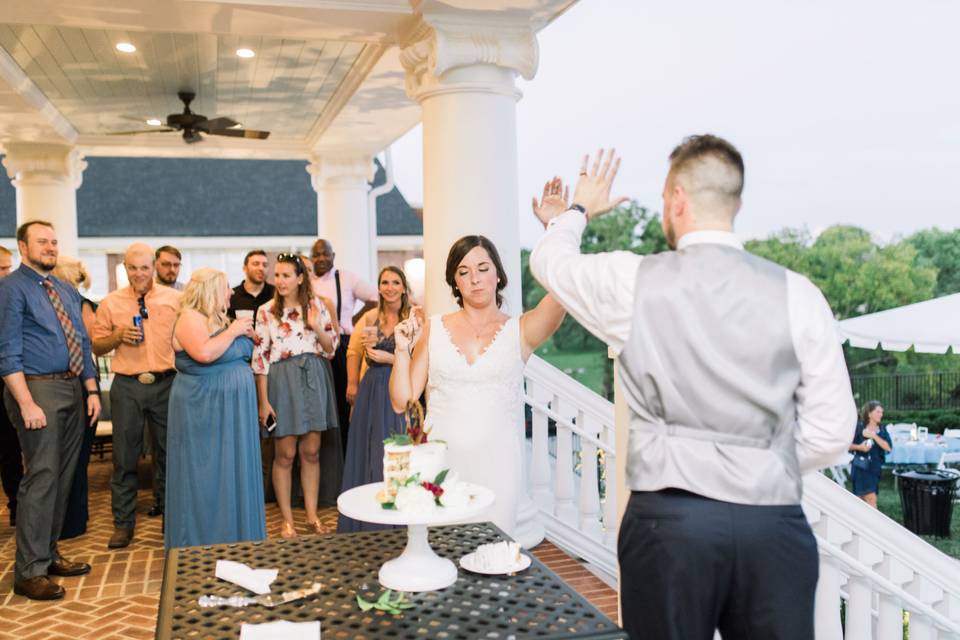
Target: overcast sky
845 111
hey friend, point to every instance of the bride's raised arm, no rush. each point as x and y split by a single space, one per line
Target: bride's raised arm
409 375
539 323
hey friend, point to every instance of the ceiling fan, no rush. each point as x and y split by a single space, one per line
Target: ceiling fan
193 124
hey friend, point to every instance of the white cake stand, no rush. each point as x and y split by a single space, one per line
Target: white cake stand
418 568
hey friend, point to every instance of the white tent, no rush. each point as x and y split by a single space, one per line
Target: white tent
931 326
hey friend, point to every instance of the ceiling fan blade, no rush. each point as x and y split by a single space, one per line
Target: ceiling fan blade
132 133
240 133
217 123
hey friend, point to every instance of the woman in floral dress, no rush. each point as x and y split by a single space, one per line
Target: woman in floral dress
296 334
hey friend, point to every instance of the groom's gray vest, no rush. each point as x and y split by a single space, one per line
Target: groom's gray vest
710 374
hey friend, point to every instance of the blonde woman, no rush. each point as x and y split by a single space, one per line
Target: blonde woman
74 273
214 487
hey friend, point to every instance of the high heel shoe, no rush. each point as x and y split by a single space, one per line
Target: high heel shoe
287 531
319 528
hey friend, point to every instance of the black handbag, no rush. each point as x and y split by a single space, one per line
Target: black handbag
861 462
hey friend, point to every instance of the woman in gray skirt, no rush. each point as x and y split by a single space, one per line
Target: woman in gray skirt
296 334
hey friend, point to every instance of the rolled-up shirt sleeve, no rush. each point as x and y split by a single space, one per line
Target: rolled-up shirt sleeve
596 289
11 329
825 408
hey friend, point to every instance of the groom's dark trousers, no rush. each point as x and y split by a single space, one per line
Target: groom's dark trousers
690 565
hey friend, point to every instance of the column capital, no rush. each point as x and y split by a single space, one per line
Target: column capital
37 163
339 171
445 41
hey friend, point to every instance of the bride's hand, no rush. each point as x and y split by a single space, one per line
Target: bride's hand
407 333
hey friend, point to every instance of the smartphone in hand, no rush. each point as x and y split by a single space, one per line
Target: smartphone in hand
271 423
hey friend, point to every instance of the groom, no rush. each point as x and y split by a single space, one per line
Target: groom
736 384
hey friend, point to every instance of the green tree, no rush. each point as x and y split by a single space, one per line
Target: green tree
940 250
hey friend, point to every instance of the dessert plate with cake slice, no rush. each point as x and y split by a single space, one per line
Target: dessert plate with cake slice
497 558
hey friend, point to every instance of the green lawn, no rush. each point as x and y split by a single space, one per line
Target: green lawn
584 367
888 501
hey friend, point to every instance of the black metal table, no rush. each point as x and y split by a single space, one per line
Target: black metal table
533 604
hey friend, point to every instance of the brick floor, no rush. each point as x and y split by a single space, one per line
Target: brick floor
119 598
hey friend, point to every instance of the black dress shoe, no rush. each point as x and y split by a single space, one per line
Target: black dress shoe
155 510
38 588
67 569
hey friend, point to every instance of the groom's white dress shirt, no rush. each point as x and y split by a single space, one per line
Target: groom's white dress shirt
599 290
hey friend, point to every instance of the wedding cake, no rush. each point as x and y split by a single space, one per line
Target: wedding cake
416 477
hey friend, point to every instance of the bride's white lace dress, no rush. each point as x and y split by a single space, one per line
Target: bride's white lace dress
477 410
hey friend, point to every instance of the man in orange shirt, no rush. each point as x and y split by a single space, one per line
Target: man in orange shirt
143 367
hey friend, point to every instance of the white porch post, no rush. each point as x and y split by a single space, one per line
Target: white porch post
343 218
46 177
462 72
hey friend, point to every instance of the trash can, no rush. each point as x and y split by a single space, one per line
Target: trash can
927 500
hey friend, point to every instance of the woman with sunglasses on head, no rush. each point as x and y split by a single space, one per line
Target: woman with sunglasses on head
296 333
369 363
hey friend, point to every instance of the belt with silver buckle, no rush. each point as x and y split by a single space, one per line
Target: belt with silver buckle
151 377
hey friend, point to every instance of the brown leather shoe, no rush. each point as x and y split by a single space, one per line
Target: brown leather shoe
67 569
121 538
39 588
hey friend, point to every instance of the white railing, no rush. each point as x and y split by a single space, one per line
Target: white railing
567 492
879 569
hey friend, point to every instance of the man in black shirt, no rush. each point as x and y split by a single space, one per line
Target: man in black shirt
254 290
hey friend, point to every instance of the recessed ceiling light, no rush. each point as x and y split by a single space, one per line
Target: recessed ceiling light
126 47
246 53
153 122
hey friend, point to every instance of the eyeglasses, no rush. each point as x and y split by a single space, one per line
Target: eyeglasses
143 307
292 258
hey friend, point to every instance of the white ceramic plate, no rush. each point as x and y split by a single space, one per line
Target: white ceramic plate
468 562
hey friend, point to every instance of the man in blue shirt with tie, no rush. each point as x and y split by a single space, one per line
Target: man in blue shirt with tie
44 360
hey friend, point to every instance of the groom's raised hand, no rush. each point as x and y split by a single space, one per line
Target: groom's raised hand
593 187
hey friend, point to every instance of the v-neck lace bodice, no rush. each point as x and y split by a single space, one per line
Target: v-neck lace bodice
476 408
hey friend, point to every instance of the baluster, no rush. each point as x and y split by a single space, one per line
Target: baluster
889 618
564 507
920 627
827 609
859 617
589 487
540 458
610 513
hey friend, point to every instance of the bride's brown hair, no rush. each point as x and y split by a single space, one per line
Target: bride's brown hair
461 248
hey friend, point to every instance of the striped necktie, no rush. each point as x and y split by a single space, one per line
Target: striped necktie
74 351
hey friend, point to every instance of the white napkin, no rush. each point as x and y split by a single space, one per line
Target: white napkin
280 630
256 580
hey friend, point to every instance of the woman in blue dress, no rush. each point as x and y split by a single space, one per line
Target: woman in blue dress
871 444
370 360
214 483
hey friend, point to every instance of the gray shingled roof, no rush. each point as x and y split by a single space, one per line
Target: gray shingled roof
203 197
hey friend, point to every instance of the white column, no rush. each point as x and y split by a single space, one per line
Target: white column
46 177
343 216
462 74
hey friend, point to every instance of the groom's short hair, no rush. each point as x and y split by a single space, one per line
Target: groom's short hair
711 171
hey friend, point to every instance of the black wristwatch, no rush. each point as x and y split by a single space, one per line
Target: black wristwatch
578 207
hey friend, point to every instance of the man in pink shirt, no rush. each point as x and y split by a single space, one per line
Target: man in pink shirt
143 367
344 288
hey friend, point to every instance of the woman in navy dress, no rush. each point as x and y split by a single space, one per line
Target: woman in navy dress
871 441
214 484
370 360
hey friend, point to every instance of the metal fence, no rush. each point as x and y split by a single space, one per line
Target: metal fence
937 390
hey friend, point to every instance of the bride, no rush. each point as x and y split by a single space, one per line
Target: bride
471 362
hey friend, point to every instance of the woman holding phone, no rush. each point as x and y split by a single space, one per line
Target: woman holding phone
296 334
